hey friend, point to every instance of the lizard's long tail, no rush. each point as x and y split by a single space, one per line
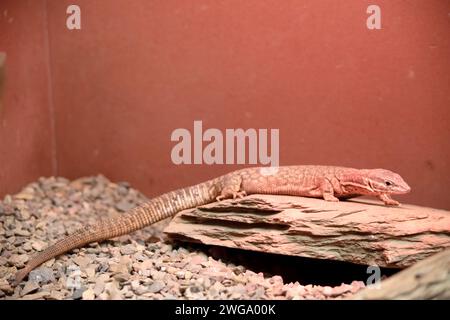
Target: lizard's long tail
139 217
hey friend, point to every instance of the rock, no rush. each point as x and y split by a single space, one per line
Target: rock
104 277
235 296
99 286
5 286
37 296
103 296
198 259
6 208
29 287
128 294
24 215
38 245
27 246
259 293
128 249
140 290
78 293
90 271
113 291
188 275
165 248
24 195
118 268
56 295
124 265
318 229
121 277
428 279
18 260
193 292
157 275
124 206
42 275
157 286
49 263
213 292
22 232
356 286
88 295
328 291
135 284
82 262
145 265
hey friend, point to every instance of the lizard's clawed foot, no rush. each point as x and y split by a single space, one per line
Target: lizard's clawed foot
330 197
239 194
392 202
388 201
234 195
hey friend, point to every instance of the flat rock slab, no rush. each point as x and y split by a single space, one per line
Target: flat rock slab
427 279
360 231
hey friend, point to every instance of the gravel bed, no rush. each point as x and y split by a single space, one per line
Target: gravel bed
142 265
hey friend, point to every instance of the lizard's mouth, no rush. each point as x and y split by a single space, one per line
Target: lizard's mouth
404 189
371 188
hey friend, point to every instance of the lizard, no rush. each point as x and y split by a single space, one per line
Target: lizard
331 183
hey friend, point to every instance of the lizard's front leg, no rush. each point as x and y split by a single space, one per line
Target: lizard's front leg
231 188
388 200
328 191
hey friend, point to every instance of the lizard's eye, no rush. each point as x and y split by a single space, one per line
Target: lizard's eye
388 183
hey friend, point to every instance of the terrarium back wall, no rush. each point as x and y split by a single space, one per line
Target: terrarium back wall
26 149
338 92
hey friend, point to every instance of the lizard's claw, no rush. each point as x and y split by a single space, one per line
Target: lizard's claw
234 195
388 201
330 197
392 202
239 194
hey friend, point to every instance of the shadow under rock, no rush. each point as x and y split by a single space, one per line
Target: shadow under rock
290 268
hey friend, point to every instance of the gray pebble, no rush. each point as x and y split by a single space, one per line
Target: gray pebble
125 206
78 293
42 275
157 286
128 249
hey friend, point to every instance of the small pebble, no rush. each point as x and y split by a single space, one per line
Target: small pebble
42 275
157 286
128 249
78 293
30 287
88 295
18 260
21 232
38 245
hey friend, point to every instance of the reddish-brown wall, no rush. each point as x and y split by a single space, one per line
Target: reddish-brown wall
26 150
339 93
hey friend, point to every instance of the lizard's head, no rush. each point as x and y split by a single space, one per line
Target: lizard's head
384 181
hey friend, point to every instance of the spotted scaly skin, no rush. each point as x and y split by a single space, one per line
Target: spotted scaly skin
327 182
